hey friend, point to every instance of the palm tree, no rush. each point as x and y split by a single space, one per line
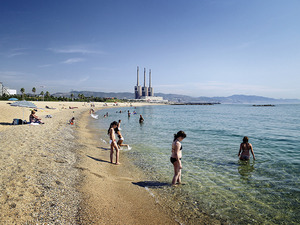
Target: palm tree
34 90
47 94
72 96
42 94
22 91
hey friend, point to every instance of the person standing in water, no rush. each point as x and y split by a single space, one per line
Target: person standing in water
245 148
141 120
176 156
112 142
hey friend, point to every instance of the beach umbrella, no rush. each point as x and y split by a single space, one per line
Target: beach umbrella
23 104
13 99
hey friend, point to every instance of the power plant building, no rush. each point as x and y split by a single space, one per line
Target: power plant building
145 93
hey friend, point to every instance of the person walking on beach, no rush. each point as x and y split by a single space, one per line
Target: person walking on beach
245 148
112 142
176 156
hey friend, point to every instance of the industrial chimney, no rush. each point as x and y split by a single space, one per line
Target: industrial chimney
137 88
150 89
145 89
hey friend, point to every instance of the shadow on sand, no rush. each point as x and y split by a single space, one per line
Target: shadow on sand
6 124
151 184
99 160
106 149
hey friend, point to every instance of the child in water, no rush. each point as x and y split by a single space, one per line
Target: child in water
245 148
176 156
112 142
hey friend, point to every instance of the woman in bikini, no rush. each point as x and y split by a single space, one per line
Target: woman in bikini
176 156
112 142
245 148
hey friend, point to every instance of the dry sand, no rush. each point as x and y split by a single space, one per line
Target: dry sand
58 174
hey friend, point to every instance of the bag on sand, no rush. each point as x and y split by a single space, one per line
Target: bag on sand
19 122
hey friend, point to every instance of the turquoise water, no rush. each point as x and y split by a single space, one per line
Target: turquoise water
263 191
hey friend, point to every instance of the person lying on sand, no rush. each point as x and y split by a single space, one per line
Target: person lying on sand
34 118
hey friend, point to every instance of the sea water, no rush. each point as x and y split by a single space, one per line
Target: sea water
265 191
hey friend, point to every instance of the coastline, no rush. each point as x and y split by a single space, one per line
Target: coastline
105 184
108 191
57 173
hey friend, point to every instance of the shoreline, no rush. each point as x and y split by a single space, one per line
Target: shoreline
44 178
108 191
133 178
56 172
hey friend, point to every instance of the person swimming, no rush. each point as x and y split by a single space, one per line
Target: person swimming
245 149
176 156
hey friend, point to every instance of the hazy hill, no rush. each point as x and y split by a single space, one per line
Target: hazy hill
234 99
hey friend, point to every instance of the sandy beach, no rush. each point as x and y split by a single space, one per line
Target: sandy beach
57 173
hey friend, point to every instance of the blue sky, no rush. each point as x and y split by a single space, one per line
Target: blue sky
193 47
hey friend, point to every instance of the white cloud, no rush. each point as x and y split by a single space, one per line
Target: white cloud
16 52
75 49
73 60
43 66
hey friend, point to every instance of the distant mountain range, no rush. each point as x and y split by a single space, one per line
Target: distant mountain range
234 99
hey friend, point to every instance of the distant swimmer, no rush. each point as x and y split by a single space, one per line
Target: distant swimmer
176 156
141 120
112 142
128 113
245 148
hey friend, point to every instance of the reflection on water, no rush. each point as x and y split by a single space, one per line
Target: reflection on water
246 168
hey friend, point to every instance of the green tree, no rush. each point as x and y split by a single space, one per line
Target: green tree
47 95
72 96
33 90
22 91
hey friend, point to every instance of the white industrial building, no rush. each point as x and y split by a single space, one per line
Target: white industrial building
6 90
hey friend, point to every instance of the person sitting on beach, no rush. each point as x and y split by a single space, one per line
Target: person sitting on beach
72 121
34 118
141 120
245 148
112 142
176 156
